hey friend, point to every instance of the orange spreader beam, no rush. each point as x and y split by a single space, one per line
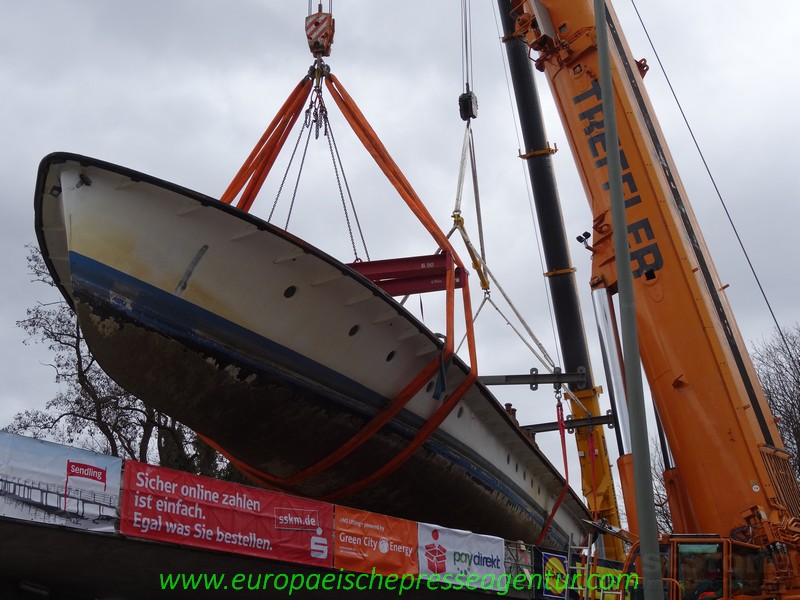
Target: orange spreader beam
248 182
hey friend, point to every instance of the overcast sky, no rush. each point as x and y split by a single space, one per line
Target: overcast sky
182 89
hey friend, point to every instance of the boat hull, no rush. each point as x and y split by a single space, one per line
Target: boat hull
281 354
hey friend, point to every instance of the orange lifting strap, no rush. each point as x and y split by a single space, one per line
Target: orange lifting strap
447 264
255 169
560 499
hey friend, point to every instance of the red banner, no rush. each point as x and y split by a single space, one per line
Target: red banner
172 506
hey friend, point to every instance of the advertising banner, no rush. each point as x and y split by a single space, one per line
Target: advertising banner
56 484
365 541
172 506
460 553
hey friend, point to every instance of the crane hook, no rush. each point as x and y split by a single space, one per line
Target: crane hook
319 32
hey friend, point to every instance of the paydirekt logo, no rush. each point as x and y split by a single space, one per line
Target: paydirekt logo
436 555
490 561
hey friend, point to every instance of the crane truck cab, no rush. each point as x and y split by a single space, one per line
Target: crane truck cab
703 567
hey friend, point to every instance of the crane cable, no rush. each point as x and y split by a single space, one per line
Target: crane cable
484 273
466 43
575 400
542 354
479 257
311 10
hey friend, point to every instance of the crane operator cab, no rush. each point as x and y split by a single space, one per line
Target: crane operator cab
704 568
699 571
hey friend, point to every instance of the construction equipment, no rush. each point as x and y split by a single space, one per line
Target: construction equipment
733 495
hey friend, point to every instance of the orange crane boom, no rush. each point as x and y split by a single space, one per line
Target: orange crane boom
732 476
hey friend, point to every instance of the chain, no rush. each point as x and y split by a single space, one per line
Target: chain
316 121
291 160
337 160
344 204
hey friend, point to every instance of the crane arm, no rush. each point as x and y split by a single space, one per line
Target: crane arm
726 446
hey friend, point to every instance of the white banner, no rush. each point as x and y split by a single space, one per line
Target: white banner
50 483
471 560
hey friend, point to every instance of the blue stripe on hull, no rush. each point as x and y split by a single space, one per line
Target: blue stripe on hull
134 300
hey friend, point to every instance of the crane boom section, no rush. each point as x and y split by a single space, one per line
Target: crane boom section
725 443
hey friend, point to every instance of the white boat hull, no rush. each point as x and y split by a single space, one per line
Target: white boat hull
280 353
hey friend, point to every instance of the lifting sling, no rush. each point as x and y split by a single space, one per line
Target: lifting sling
442 271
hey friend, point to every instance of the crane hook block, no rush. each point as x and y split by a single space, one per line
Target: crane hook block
468 105
319 32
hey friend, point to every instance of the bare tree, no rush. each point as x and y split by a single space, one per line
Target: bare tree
776 362
93 412
660 495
